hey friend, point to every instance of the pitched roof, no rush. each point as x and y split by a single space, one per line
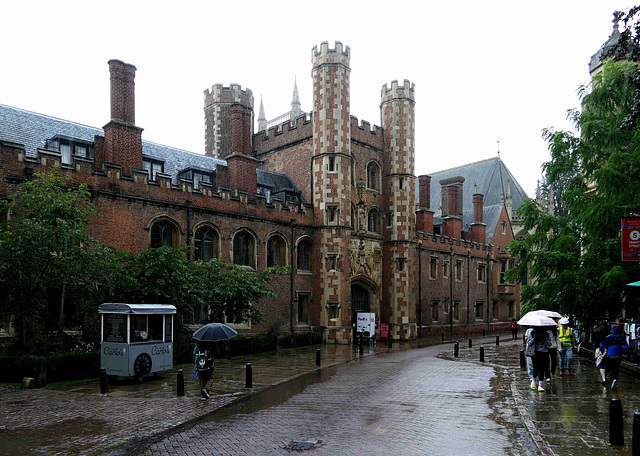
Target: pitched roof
31 130
492 179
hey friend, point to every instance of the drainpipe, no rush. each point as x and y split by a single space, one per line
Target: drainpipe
469 293
189 204
293 248
451 273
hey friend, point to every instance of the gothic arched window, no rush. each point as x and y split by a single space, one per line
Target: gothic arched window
244 250
304 255
164 234
276 251
374 222
373 176
205 243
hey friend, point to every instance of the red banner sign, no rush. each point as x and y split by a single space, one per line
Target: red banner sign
384 331
631 239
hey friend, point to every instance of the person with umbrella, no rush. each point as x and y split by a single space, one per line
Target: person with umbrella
541 339
205 336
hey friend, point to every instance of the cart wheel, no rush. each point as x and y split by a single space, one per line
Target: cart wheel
142 366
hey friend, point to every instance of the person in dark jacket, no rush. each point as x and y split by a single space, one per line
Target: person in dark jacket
616 345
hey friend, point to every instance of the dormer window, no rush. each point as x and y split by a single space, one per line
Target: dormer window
153 167
196 175
70 147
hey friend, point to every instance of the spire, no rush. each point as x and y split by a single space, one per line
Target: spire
296 110
262 119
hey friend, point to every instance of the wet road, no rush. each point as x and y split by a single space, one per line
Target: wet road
408 403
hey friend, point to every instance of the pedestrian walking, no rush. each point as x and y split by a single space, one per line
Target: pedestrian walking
616 345
530 351
600 331
541 339
514 329
553 350
204 367
567 344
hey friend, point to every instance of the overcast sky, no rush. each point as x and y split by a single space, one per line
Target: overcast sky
482 71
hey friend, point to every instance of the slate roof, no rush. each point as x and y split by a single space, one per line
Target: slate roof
491 177
31 130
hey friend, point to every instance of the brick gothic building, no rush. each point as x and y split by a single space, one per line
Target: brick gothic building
335 198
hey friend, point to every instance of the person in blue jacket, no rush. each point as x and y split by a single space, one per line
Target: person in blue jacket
616 345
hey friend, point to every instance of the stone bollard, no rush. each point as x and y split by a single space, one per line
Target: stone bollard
28 383
616 429
318 357
470 343
635 439
482 354
523 363
497 340
104 382
249 380
456 349
180 383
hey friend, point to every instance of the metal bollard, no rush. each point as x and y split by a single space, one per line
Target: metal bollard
456 349
616 429
497 340
249 380
104 382
390 340
180 383
635 439
482 354
470 343
360 342
483 333
318 357
523 363
443 338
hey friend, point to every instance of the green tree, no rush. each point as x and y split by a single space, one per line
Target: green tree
44 246
574 257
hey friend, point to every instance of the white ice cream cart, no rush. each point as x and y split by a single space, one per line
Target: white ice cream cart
136 339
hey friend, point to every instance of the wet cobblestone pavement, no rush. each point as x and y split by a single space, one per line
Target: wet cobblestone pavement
421 401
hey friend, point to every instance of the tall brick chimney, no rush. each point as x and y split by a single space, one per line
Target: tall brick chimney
452 194
478 230
424 216
122 139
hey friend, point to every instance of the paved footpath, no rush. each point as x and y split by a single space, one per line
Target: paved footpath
406 403
419 401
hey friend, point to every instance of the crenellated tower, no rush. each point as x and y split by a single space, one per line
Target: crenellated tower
228 120
399 183
331 168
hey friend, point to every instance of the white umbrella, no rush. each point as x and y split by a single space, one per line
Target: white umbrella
536 320
545 313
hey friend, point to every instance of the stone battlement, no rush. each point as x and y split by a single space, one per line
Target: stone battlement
363 132
407 90
232 95
338 55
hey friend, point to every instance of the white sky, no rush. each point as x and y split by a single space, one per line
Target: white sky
482 70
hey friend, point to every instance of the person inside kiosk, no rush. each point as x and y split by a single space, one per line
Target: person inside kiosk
146 328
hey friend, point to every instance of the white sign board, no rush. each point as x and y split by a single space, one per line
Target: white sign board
366 323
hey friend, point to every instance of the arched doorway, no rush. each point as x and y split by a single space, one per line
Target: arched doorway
360 302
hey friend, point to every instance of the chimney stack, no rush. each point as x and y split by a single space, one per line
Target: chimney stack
478 230
452 194
424 216
122 139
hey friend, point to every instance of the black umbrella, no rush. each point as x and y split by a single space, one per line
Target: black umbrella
214 331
